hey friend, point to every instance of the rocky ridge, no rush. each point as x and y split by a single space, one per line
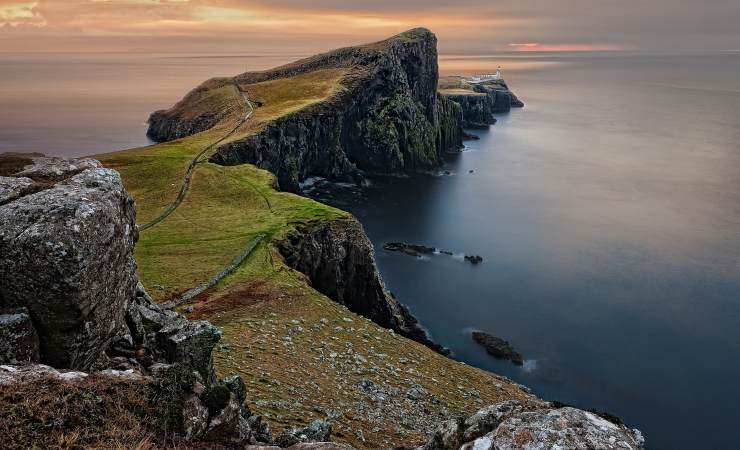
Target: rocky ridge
387 117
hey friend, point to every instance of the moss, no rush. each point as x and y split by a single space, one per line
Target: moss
216 397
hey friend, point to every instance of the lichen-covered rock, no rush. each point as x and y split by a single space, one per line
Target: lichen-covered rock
229 426
12 188
447 437
339 261
261 431
51 168
66 256
194 417
316 431
534 425
19 342
192 345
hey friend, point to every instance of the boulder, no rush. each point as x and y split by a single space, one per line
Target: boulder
194 417
50 168
448 436
316 431
229 426
13 188
19 342
261 431
534 425
66 256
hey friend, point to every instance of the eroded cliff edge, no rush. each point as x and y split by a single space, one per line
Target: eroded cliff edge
385 117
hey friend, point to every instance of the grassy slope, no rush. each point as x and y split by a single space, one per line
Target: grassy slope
263 301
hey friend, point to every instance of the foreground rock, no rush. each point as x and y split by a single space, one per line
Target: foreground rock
534 425
66 256
71 299
19 342
497 347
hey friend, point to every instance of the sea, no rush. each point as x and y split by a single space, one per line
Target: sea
606 211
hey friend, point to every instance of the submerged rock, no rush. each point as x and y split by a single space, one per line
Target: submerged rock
498 347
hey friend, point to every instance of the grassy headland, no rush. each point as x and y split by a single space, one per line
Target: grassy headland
302 355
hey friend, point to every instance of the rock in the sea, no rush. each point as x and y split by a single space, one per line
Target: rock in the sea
316 431
498 347
535 425
66 256
409 249
19 342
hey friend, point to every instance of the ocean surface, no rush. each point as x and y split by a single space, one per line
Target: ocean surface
607 212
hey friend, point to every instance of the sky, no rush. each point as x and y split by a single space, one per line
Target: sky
292 26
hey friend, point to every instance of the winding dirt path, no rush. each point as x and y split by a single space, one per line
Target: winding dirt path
191 167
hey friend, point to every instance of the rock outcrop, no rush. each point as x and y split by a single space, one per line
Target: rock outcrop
71 299
535 425
339 260
66 256
386 118
479 101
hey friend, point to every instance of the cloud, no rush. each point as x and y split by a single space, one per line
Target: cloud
463 26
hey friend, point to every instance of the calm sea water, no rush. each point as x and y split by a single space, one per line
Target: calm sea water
607 212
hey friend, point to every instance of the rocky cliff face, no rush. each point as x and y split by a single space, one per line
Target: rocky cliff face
339 261
70 298
479 101
386 119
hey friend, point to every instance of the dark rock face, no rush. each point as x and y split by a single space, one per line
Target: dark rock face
450 123
339 260
66 256
513 425
19 343
502 98
498 347
477 109
387 119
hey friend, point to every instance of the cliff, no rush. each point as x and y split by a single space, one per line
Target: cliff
479 101
338 259
384 116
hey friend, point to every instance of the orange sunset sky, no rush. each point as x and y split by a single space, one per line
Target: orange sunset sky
464 26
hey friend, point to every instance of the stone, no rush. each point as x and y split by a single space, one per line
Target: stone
498 347
194 417
534 425
66 256
35 372
229 426
19 342
487 419
447 437
261 431
51 168
12 188
316 431
192 345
